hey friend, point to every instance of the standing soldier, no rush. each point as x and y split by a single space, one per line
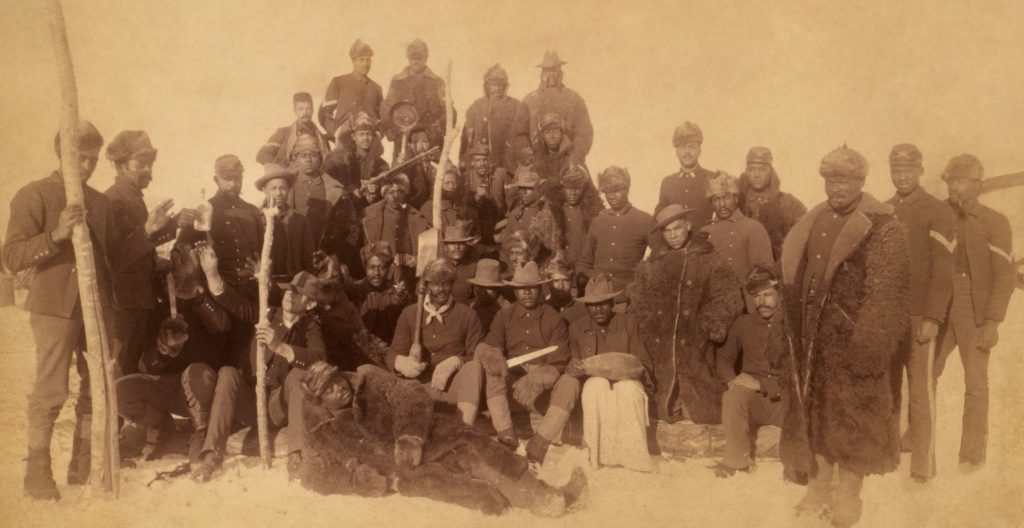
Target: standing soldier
314 194
553 97
580 206
743 242
279 146
686 187
761 199
292 248
982 283
929 225
553 152
39 238
618 236
350 93
489 119
142 231
845 287
418 85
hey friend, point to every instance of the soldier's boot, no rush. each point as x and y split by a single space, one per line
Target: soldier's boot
574 490
209 463
195 445
537 448
81 452
39 483
159 427
819 491
848 504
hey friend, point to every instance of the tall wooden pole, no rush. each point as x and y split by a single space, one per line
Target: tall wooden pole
105 453
263 279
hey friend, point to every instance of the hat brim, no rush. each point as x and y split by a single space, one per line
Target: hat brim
260 183
464 240
596 299
485 284
664 223
514 284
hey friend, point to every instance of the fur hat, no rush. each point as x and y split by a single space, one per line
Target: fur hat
613 179
721 183
302 97
380 249
273 171
480 148
559 268
905 154
128 144
360 49
687 133
550 119
400 180
417 49
496 74
760 278
319 377
575 176
304 142
363 121
88 138
439 270
966 166
844 161
759 155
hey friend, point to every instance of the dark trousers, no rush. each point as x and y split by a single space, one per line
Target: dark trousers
920 365
57 340
743 411
234 400
146 399
284 405
129 339
961 332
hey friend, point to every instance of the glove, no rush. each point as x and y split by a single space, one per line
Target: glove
491 359
989 336
927 331
444 371
409 367
526 390
575 369
546 375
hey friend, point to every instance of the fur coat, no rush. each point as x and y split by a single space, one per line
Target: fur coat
851 410
687 299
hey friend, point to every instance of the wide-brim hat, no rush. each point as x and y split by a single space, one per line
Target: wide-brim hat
551 60
459 232
526 177
273 171
305 283
668 215
527 276
488 274
599 290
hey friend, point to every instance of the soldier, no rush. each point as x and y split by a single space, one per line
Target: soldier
39 238
759 341
352 166
929 225
553 96
314 194
489 119
487 186
552 153
351 93
982 284
292 247
523 327
142 230
456 207
845 286
561 274
534 217
687 297
761 199
236 227
615 415
687 186
487 286
348 341
382 294
418 85
458 248
450 331
581 204
618 236
742 241
279 146
393 221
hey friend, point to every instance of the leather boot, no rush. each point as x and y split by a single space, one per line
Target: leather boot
508 438
195 445
81 461
537 448
39 483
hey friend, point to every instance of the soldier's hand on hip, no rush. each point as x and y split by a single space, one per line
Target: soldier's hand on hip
71 216
989 336
926 331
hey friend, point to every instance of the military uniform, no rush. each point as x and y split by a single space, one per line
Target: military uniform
347 94
278 148
561 101
777 211
490 121
314 198
423 91
743 242
930 235
686 188
615 244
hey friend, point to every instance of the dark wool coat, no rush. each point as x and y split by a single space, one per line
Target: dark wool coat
686 299
777 211
854 398
490 121
558 100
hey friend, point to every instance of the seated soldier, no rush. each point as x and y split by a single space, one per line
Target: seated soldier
487 291
449 332
539 385
753 396
615 408
349 343
381 294
459 248
394 221
373 434
559 296
520 249
292 247
177 373
455 205
293 340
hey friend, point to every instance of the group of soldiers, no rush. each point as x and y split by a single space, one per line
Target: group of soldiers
754 310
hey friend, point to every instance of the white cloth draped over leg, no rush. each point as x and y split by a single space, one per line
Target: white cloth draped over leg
615 422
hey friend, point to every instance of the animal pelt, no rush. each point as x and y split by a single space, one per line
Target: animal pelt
693 295
777 211
547 226
852 405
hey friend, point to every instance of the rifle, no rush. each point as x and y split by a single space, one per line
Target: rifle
401 167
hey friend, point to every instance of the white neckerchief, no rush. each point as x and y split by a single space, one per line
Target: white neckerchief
435 313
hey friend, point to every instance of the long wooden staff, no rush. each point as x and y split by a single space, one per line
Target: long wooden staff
263 278
105 454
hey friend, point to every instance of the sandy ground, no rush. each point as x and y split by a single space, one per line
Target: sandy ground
682 493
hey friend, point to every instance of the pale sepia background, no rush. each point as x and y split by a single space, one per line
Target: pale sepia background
209 78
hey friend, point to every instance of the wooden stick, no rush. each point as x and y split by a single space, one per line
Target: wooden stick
105 453
263 278
172 296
